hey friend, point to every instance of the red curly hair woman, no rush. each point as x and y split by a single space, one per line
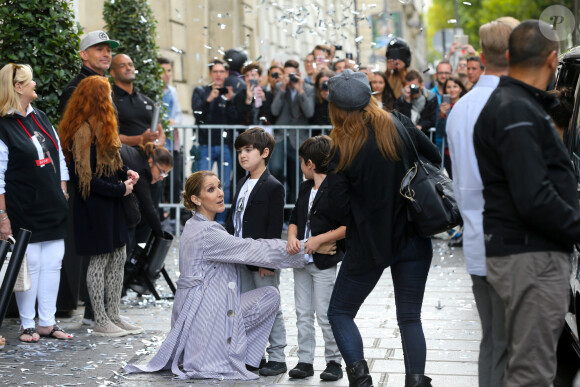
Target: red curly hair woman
91 144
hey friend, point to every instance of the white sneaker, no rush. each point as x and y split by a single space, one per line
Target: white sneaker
109 330
130 328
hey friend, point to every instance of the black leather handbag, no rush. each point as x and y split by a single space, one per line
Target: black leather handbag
431 204
132 212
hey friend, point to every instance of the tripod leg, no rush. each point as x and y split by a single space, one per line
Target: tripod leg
151 287
168 280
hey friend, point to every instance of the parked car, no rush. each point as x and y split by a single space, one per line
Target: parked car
568 76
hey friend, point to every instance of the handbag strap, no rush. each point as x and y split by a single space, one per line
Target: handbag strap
409 144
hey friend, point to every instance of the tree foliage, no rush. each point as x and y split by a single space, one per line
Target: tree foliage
133 24
43 34
478 12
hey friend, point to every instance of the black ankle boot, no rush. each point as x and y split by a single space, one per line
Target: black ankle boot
358 374
414 380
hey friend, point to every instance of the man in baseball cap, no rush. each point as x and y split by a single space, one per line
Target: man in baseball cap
95 52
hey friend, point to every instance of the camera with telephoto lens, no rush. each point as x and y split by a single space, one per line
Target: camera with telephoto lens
293 78
223 90
275 75
414 89
324 86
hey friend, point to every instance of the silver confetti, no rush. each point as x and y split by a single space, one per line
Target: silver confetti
143 20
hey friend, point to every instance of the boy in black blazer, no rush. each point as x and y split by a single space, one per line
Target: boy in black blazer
311 221
258 212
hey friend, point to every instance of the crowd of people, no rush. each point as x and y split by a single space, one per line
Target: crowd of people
349 222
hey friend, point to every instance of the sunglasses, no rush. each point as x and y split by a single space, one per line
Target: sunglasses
15 68
162 173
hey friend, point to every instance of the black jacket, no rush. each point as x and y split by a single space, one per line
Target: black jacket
529 187
428 116
264 214
321 221
245 113
321 115
135 160
34 198
365 197
219 111
99 220
72 85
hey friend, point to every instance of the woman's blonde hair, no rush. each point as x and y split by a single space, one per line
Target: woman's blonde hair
10 75
350 131
193 186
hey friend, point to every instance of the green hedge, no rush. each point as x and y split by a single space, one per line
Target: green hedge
43 34
131 22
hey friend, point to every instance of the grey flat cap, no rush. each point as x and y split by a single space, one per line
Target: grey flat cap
349 90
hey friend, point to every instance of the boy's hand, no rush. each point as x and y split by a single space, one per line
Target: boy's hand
328 248
311 245
293 245
264 272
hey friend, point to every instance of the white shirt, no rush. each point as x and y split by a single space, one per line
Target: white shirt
4 155
307 232
466 178
241 205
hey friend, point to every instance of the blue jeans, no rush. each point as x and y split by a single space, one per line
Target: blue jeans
206 162
409 272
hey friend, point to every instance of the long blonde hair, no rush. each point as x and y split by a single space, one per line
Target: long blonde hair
8 97
350 132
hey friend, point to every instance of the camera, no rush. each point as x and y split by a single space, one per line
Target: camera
348 55
223 90
253 83
275 75
338 47
293 78
414 89
324 86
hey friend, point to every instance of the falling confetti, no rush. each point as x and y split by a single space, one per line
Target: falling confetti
426 70
143 20
359 39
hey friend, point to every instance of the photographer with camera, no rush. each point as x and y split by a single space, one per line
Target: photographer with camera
212 104
417 103
293 104
253 103
321 115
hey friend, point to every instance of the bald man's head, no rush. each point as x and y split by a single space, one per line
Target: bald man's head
122 69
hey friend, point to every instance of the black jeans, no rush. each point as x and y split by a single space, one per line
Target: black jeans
409 272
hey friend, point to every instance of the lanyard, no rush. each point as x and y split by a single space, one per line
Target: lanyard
41 128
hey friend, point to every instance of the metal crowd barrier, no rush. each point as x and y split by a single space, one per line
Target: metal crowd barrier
189 137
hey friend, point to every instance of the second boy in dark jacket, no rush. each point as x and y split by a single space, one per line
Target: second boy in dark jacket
311 221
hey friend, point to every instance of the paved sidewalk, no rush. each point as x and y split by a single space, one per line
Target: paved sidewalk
450 322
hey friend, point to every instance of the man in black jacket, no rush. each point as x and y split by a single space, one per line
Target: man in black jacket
531 217
95 51
417 103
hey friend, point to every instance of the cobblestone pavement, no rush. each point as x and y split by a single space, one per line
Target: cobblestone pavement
449 316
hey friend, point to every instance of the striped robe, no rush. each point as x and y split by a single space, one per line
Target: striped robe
215 330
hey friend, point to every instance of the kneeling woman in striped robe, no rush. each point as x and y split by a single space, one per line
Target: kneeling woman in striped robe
216 330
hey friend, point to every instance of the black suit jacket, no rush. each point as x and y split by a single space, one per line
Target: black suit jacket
264 214
320 221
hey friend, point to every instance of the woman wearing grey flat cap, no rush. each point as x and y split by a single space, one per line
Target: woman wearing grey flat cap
365 172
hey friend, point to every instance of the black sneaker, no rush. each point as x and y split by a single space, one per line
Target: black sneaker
332 372
301 371
254 369
273 368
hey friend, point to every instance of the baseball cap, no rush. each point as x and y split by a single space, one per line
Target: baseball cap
97 37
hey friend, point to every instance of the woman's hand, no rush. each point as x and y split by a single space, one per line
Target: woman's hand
133 176
293 245
264 272
128 186
328 248
444 109
312 244
5 228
